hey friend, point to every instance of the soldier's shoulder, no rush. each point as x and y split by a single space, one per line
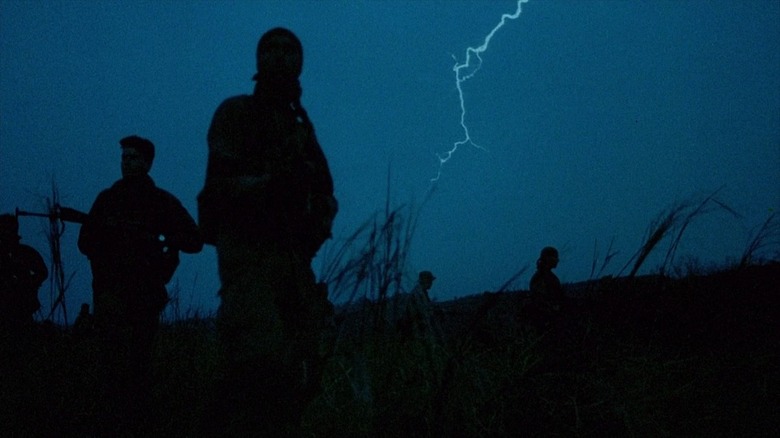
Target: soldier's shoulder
110 191
230 111
166 196
27 251
243 98
235 103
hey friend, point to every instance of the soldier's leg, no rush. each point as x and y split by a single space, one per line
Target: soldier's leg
304 310
252 338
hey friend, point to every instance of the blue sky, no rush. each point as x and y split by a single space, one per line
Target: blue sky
593 116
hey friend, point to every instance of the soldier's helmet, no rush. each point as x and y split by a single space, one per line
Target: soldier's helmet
427 276
548 252
265 44
548 258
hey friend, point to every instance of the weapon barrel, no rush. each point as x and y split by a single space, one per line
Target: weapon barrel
30 213
63 213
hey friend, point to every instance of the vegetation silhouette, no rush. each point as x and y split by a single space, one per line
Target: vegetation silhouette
649 355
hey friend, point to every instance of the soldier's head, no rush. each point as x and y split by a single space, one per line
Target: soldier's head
426 279
548 259
279 56
9 229
137 156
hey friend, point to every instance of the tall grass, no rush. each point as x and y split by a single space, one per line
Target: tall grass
614 364
674 220
767 236
370 263
608 256
178 310
59 282
397 385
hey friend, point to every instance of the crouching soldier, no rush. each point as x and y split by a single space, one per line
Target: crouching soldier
22 272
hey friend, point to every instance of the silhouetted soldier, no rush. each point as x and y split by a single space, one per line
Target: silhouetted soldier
22 271
132 236
84 324
547 297
267 206
414 316
545 286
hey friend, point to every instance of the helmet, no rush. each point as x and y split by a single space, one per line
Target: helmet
548 251
265 40
427 275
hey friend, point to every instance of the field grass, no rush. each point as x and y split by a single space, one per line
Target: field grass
697 354
642 356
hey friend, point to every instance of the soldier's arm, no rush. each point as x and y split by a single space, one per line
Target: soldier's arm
36 271
538 286
225 181
322 203
323 180
226 172
40 271
184 233
90 233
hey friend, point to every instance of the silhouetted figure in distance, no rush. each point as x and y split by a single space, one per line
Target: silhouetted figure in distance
545 285
414 317
132 236
267 205
84 324
547 297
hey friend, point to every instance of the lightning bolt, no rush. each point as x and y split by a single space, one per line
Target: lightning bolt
464 72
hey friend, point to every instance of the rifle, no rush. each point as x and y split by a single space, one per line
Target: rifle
67 214
169 256
64 214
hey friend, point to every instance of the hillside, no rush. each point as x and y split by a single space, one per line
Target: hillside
645 356
649 356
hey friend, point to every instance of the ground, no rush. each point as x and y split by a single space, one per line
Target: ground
647 356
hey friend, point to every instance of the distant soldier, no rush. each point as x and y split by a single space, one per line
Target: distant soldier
132 236
22 271
413 313
267 205
84 324
545 286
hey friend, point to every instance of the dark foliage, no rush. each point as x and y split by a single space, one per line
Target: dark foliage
642 356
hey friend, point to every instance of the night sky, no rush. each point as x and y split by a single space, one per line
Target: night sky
591 118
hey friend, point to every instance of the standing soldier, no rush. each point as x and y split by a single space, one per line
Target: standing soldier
22 272
132 236
547 297
267 206
84 323
545 285
413 311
